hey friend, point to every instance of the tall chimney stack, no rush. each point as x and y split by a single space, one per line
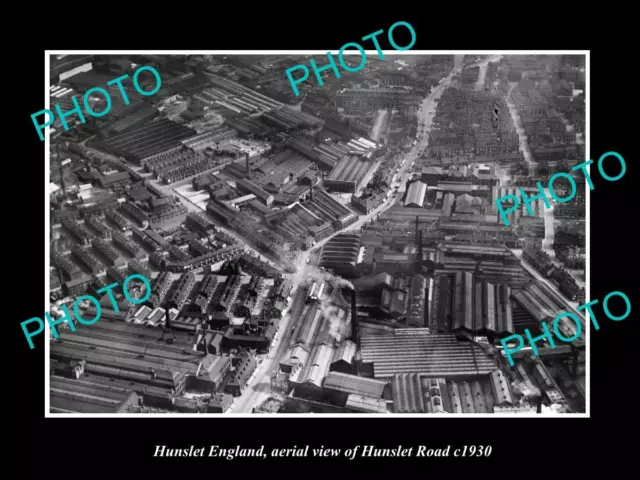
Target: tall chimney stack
248 169
205 344
354 327
311 193
167 320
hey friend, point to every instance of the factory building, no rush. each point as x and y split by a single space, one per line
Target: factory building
415 350
401 214
501 389
416 315
315 369
347 173
114 180
493 263
416 195
447 204
344 357
340 255
282 171
73 395
248 187
220 211
319 217
172 360
316 328
541 303
352 384
464 305
416 393
147 140
330 157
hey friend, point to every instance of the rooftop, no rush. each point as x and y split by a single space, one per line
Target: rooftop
415 350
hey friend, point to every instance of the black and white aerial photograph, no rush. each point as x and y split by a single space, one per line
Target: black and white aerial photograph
255 237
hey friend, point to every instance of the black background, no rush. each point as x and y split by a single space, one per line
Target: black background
123 448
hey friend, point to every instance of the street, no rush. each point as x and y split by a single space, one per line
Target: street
379 123
524 144
425 119
259 388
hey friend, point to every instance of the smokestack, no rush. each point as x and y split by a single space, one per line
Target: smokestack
354 327
311 192
248 169
539 407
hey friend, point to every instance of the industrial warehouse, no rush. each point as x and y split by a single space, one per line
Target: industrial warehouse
334 253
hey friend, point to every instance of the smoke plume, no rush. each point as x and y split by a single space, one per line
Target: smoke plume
311 273
503 173
330 312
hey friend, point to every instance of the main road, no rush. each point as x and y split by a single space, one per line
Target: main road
379 123
426 112
524 143
259 385
258 389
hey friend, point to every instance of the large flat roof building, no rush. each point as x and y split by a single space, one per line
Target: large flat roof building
340 254
416 195
416 350
69 395
138 353
347 173
354 384
147 140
